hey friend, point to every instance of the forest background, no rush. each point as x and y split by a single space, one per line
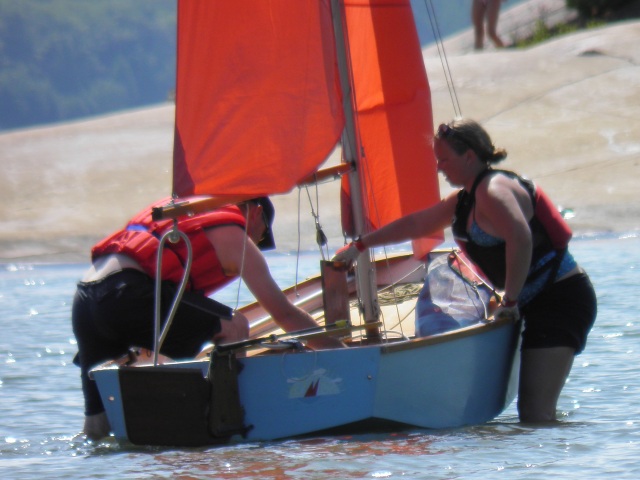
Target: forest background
62 60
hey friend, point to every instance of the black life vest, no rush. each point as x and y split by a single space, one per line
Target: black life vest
549 232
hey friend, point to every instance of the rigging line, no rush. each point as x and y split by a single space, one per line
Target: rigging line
435 28
478 276
298 249
444 60
321 238
244 249
394 287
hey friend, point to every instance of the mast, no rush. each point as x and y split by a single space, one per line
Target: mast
365 273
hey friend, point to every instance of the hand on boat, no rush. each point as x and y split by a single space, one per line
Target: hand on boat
347 254
325 343
507 313
234 330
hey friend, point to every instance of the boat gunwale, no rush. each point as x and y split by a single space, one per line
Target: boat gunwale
452 335
386 346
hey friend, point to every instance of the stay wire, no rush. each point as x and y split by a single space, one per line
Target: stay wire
244 250
435 28
298 249
321 238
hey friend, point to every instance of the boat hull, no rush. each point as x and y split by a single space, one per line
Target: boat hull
459 378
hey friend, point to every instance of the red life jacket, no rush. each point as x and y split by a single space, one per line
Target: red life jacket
140 239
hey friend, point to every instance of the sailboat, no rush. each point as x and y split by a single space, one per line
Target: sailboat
264 92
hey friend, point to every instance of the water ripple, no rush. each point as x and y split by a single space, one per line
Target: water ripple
597 435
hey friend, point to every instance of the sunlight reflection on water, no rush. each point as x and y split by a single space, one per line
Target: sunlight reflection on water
41 407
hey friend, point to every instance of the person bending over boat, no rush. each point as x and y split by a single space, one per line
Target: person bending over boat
113 308
512 231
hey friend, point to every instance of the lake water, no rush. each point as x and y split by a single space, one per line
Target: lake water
599 431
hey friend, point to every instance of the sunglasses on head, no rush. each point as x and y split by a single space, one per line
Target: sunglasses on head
446 131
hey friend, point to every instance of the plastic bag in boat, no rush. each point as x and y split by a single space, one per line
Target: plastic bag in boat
452 296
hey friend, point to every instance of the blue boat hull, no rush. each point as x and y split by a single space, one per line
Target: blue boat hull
465 377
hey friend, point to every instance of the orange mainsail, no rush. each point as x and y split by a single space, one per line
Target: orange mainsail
394 118
257 96
258 101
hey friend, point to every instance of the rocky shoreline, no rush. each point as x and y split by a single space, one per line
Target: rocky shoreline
564 110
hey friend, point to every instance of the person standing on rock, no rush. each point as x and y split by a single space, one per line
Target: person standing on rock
489 11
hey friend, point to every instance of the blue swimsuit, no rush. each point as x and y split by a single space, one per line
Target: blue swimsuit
556 313
535 286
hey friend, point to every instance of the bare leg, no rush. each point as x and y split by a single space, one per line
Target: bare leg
543 373
478 9
493 13
96 426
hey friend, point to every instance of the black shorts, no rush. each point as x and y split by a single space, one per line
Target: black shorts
561 315
113 314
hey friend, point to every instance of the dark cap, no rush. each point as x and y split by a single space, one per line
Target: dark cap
267 242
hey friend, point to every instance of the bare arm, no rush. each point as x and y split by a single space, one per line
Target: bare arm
230 244
503 209
416 225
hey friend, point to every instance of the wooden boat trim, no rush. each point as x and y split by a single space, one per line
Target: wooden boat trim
206 204
194 206
330 173
452 335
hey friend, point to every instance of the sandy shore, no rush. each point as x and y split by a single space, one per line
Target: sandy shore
565 111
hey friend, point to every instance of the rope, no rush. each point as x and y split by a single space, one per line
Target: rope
399 294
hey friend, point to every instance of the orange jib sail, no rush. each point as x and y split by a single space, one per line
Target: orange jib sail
257 95
394 116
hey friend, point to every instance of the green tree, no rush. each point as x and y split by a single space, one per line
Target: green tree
64 59
596 8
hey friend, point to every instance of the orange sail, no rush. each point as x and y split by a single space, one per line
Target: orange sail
257 96
258 101
393 109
